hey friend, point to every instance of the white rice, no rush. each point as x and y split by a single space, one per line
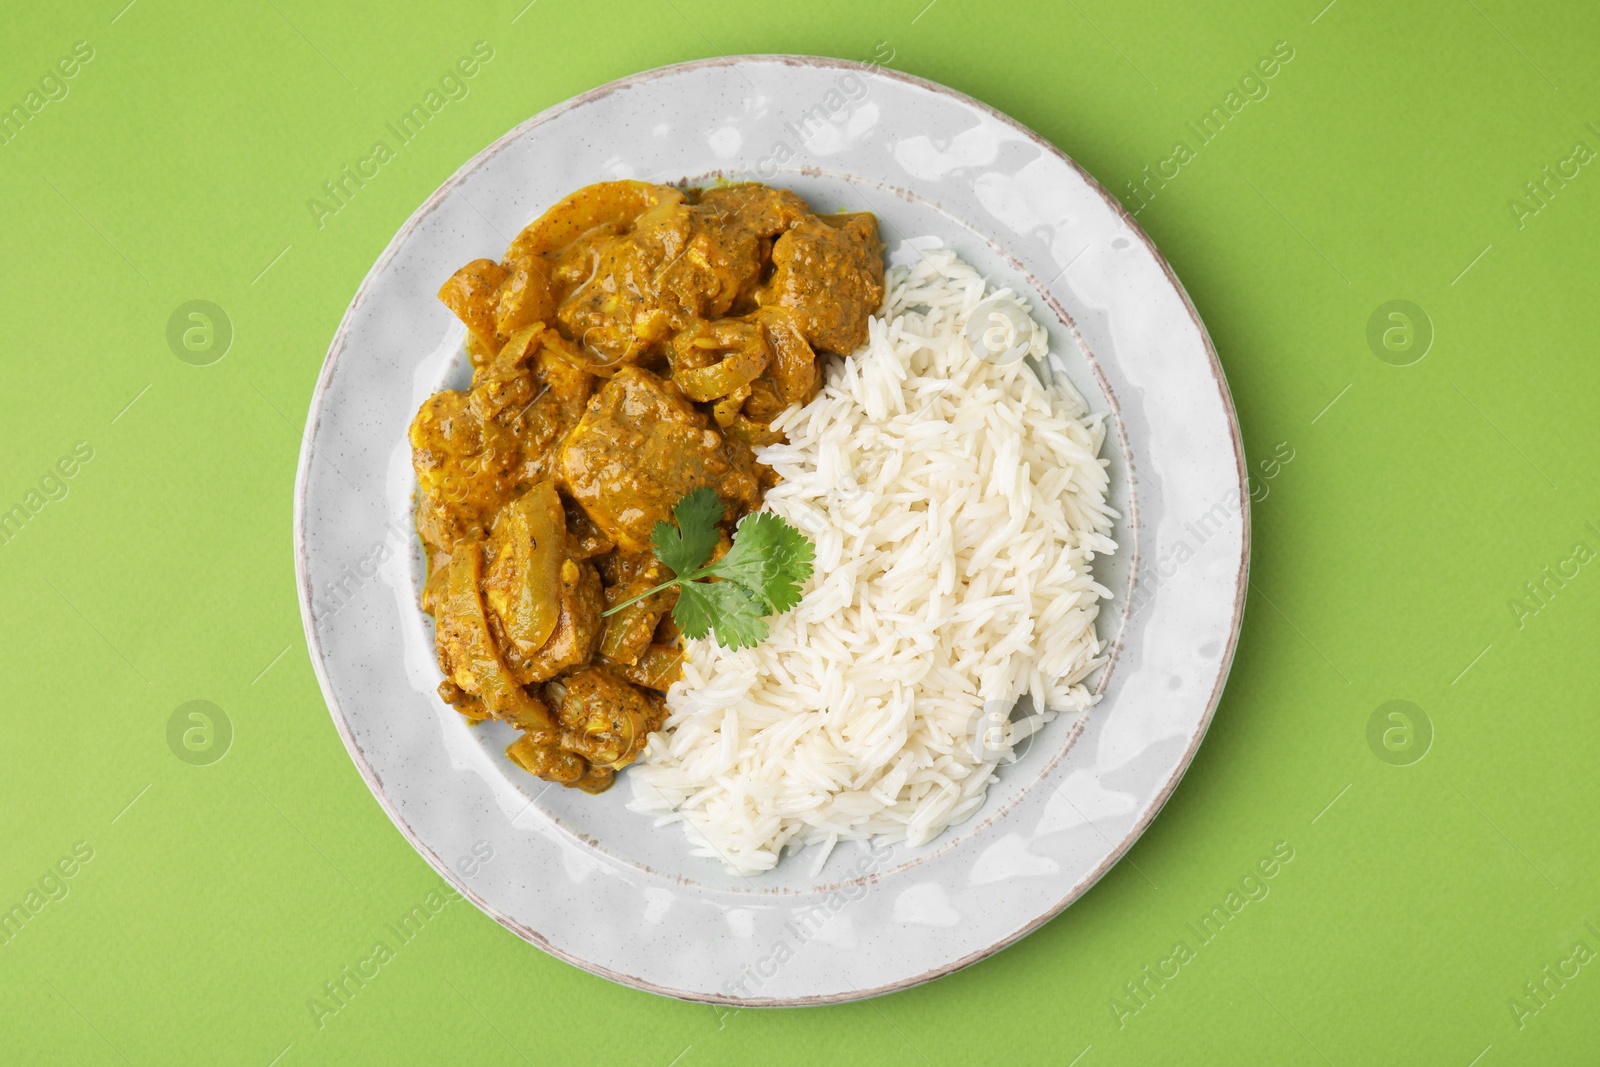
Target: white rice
956 507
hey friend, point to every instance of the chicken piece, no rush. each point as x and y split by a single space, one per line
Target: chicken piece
564 391
536 388
535 361
668 632
473 451
628 568
720 265
554 254
793 371
629 632
761 209
612 314
678 263
472 293
657 668
639 448
604 718
605 280
466 467
603 724
830 273
745 431
505 385
584 538
527 296
467 651
577 629
789 377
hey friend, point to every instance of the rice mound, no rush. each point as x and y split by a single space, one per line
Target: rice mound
957 506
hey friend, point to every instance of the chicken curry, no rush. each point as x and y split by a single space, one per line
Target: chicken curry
634 344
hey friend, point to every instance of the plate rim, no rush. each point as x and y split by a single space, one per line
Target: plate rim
339 343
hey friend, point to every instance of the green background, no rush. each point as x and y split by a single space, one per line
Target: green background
1383 165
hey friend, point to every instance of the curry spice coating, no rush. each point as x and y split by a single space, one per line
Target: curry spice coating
635 343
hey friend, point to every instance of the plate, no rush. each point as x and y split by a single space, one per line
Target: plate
604 888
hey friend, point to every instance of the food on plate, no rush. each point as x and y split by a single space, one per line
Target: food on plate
759 575
629 352
957 504
726 499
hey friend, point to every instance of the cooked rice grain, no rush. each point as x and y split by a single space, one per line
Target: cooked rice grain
956 507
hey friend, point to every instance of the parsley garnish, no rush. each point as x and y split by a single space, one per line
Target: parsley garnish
761 574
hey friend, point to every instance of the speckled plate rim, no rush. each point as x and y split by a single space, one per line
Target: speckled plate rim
375 781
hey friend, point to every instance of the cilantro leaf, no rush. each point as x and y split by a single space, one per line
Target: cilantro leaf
761 574
693 610
720 607
687 546
769 558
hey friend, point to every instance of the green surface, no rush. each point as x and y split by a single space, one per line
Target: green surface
1386 162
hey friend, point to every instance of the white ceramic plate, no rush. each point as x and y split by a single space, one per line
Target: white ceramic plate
603 888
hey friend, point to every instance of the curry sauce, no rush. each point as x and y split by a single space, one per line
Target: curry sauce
635 343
